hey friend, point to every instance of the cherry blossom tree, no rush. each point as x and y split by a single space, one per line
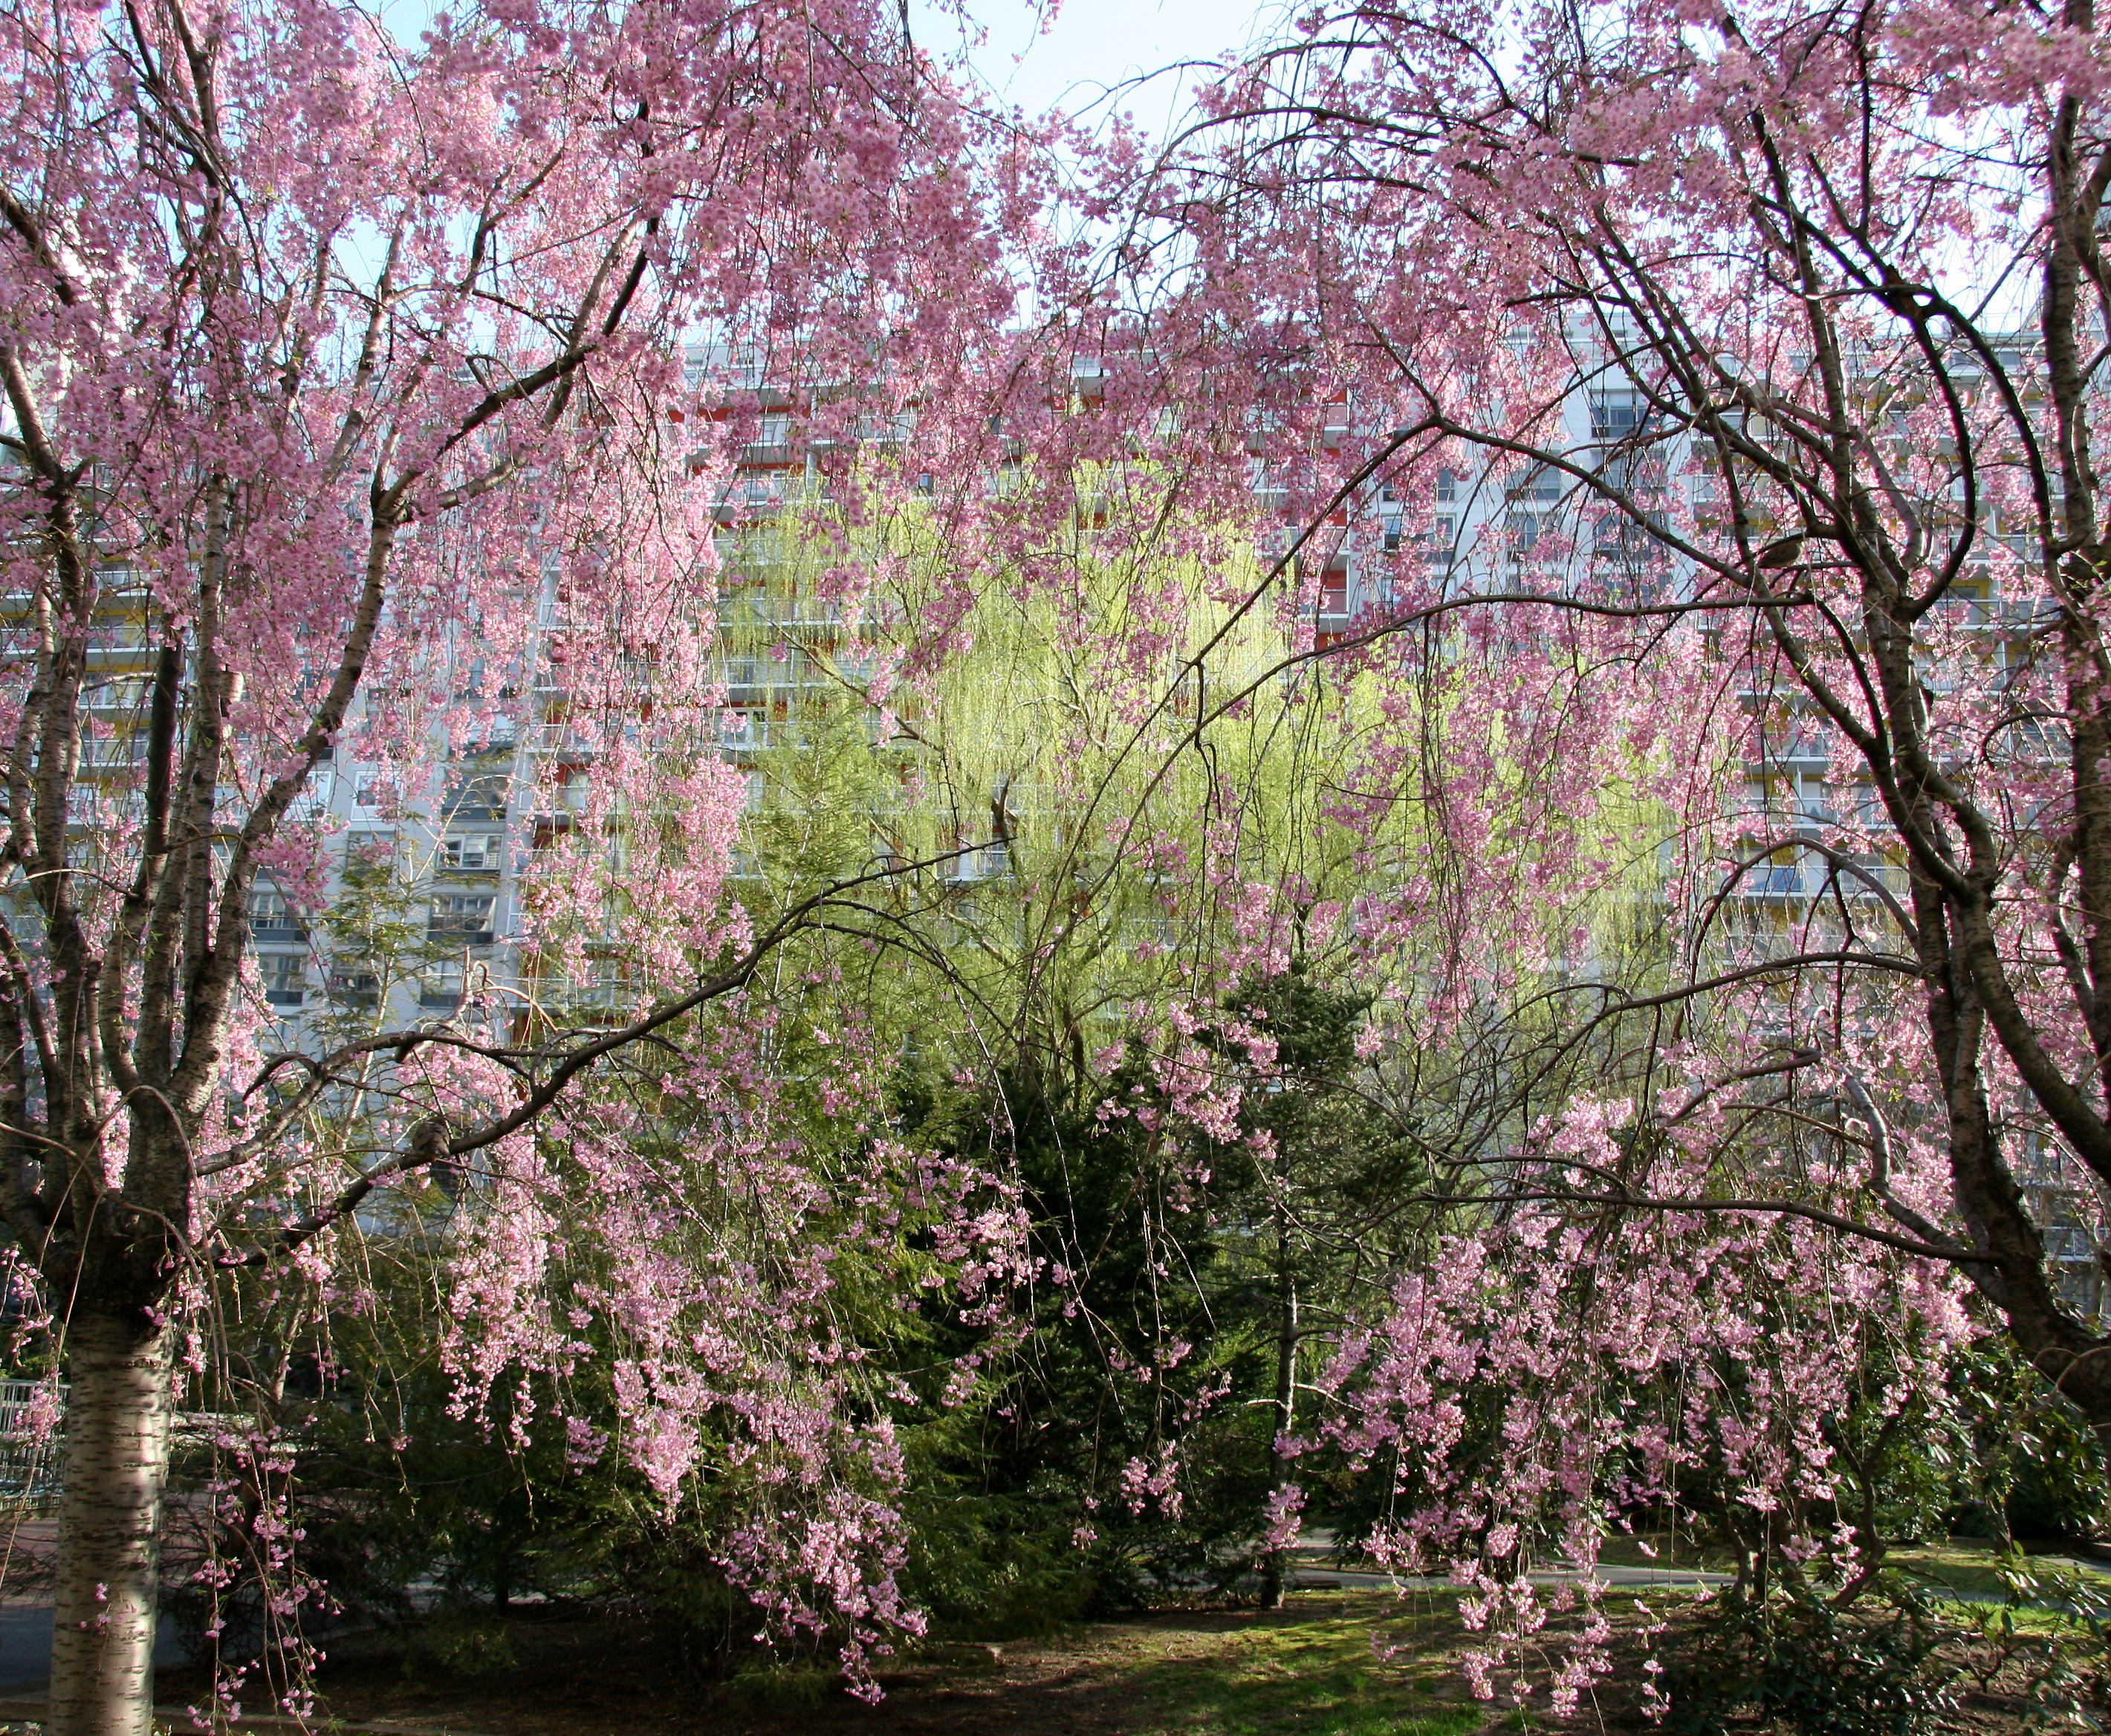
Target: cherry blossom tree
1840 373
1706 401
346 398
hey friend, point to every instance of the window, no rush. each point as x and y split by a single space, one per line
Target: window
442 987
1390 540
569 791
475 795
271 919
354 987
461 917
285 974
1634 470
1864 804
1616 415
124 694
1780 876
481 853
111 750
1619 535
1447 488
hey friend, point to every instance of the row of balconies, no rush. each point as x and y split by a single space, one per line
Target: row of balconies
288 981
460 922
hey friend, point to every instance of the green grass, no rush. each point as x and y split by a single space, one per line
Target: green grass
1962 1566
1949 1566
1679 1552
1954 1564
1309 1673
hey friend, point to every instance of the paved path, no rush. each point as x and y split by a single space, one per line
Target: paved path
25 1647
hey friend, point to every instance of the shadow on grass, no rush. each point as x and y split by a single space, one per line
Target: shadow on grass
1315 1699
1307 1668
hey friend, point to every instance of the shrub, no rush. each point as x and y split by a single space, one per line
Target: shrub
1819 1670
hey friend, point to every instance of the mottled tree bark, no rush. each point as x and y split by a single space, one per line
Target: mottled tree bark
116 1465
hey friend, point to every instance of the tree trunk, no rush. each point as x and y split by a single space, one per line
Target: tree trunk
110 1525
1275 1576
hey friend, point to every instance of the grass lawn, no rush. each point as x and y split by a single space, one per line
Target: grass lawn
1307 1668
1313 1671
1957 1564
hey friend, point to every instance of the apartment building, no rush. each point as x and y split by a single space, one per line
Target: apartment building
423 901
1814 850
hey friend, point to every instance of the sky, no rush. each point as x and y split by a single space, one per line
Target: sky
1092 46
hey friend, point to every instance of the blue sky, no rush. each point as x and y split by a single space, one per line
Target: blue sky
1093 45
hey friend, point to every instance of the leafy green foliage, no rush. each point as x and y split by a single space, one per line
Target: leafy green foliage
2020 1459
2049 1634
1146 1235
1818 1670
1128 1265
